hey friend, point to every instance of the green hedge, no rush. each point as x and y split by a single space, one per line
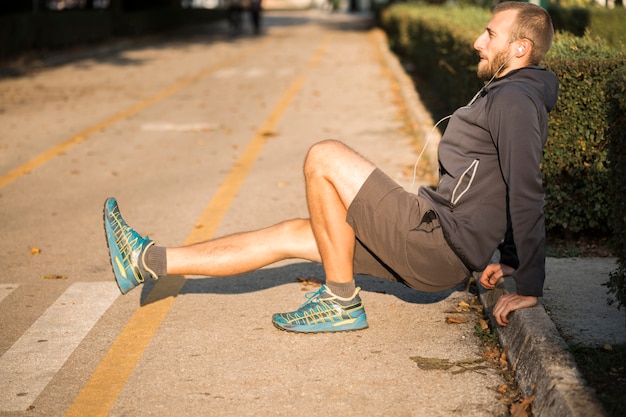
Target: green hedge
607 24
584 164
576 166
437 43
617 156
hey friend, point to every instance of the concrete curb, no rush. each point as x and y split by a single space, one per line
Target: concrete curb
538 355
540 359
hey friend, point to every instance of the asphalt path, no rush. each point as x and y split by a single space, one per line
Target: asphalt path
200 134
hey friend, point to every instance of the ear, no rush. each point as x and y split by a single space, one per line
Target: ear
522 48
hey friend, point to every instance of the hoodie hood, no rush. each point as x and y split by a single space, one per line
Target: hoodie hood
542 82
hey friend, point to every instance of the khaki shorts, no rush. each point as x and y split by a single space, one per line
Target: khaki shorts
399 237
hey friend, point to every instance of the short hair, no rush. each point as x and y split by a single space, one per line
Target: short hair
533 22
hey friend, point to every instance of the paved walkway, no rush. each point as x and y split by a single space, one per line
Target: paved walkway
198 136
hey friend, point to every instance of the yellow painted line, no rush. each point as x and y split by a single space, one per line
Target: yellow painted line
212 216
101 391
62 147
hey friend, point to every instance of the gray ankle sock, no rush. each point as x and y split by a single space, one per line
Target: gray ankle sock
156 260
342 289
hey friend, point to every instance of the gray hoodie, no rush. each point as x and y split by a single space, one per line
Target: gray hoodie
490 153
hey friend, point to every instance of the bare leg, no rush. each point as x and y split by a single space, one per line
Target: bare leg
334 174
244 252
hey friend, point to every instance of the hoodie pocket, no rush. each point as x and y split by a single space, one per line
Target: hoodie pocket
464 183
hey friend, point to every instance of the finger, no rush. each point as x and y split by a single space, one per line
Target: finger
504 315
490 281
488 277
502 309
498 316
483 280
488 269
485 283
502 319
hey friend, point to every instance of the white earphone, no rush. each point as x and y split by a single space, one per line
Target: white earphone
520 49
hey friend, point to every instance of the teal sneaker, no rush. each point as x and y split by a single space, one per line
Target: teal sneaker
324 312
126 249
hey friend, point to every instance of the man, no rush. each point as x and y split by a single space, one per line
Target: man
490 195
255 8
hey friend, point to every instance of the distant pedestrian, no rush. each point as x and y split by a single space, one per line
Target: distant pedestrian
235 11
489 195
255 8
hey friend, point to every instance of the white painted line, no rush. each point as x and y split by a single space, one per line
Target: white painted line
254 73
176 127
31 363
6 289
226 73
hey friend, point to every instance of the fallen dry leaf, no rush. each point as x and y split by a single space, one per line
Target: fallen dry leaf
483 324
491 353
54 276
456 320
522 408
314 282
503 357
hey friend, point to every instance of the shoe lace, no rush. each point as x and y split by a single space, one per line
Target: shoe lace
127 238
130 244
316 309
312 295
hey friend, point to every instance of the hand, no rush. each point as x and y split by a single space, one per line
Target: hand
508 303
492 274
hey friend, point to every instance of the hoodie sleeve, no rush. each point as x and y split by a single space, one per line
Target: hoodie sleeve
508 252
519 130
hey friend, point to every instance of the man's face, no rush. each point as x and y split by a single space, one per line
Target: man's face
493 45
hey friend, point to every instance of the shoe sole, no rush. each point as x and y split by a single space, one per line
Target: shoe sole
358 323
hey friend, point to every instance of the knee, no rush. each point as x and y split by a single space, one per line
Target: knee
320 157
294 230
